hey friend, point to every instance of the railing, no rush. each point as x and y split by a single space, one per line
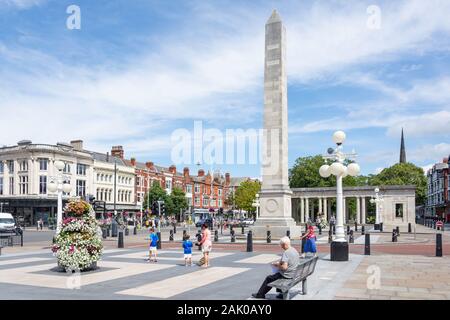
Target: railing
11 240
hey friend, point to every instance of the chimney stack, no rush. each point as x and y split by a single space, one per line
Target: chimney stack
117 151
173 169
186 172
149 165
201 173
133 162
227 178
77 144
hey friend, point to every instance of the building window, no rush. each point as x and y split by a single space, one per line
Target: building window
11 166
399 210
66 168
220 202
23 165
197 188
81 188
189 188
197 201
11 185
168 184
138 181
1 186
205 202
2 167
23 185
42 184
81 169
220 192
43 164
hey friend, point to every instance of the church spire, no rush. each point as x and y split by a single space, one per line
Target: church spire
402 150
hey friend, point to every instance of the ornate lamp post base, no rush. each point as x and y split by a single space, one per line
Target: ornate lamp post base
339 251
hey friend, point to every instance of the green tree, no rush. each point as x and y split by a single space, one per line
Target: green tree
178 201
155 193
403 174
305 174
246 194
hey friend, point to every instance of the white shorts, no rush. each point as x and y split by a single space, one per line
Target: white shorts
206 249
188 256
153 249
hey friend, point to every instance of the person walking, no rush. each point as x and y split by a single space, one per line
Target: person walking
206 244
153 246
310 244
187 247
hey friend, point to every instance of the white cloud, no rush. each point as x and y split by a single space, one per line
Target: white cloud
21 4
429 152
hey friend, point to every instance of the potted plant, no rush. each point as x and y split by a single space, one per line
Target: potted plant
78 245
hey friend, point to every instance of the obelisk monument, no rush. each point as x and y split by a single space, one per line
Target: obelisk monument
275 195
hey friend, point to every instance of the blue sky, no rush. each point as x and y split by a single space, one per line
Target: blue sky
138 70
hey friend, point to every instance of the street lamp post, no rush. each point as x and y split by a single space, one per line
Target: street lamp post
256 204
339 246
58 184
378 200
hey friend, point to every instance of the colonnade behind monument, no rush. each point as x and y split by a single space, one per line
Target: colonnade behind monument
398 208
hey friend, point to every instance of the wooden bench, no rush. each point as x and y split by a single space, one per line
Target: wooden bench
304 270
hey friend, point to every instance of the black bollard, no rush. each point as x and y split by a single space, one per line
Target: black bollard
120 240
398 231
367 245
174 228
171 235
269 236
250 242
127 231
394 235
216 236
233 237
199 238
320 230
351 239
184 234
381 227
348 229
135 230
356 226
303 242
242 230
363 230
434 224
334 229
114 230
288 234
158 245
104 234
438 244
409 227
330 235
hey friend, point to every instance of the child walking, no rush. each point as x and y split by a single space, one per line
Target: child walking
187 246
153 245
310 244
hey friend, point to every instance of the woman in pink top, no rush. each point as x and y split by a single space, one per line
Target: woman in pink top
206 244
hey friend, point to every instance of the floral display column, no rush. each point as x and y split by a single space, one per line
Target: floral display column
78 246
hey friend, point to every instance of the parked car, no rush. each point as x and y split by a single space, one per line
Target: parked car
7 223
200 222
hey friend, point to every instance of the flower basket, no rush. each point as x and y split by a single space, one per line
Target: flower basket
78 245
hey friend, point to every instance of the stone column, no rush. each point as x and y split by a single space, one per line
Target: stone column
329 210
358 210
363 210
302 210
307 209
344 205
325 211
320 205
5 178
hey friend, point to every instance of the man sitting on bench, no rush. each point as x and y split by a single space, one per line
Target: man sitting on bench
287 267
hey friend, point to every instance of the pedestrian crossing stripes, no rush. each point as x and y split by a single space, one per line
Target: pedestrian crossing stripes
23 260
261 258
170 287
175 255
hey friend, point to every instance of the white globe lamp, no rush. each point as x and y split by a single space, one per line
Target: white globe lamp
67 188
59 165
337 168
339 137
345 173
52 187
377 190
324 171
353 169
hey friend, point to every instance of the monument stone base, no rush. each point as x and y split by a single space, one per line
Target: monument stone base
276 215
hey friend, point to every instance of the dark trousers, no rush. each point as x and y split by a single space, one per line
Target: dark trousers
265 288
